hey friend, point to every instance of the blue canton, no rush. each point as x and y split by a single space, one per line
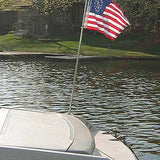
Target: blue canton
98 6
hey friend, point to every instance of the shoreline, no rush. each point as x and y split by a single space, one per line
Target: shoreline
68 57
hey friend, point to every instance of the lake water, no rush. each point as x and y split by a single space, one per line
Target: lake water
114 94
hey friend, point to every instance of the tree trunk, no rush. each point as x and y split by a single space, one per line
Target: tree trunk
50 26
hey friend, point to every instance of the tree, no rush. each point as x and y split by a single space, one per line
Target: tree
11 4
144 15
48 8
52 8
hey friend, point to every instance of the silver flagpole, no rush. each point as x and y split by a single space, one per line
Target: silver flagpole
78 54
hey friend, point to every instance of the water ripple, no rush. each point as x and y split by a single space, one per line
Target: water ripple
121 94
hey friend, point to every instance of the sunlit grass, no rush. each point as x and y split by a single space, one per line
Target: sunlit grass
129 46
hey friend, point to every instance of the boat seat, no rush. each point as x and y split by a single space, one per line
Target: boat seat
83 140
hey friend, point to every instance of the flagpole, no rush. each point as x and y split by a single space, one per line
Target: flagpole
77 59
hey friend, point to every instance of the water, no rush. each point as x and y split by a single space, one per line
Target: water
118 94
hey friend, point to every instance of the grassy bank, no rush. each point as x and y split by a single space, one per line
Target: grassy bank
126 45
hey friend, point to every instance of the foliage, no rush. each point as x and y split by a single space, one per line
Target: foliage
144 15
50 6
47 8
51 9
12 4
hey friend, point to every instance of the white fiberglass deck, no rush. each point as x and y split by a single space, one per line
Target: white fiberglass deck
35 130
34 135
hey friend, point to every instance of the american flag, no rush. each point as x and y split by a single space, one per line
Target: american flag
105 17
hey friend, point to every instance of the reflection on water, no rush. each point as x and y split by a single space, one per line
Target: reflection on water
120 94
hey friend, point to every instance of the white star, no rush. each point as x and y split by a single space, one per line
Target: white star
98 5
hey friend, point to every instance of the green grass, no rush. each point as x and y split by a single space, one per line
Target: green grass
126 45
